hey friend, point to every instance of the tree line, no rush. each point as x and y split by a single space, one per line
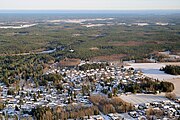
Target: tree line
171 69
147 85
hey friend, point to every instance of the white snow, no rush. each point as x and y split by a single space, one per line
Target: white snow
121 23
78 20
93 25
152 70
143 98
162 24
17 27
141 24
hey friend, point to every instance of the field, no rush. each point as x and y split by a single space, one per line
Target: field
176 84
132 43
152 70
69 62
114 57
143 98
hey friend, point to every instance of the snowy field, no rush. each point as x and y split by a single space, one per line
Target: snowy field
93 25
152 70
177 86
18 27
78 21
143 98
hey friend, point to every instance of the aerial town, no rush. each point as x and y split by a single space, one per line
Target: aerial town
83 81
89 59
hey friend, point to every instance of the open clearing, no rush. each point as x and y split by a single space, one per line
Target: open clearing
177 86
114 57
129 43
132 43
152 70
143 98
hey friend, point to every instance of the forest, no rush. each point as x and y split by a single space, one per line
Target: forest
102 103
22 58
171 69
150 86
125 42
129 39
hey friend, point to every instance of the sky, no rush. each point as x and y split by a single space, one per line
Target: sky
89 4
